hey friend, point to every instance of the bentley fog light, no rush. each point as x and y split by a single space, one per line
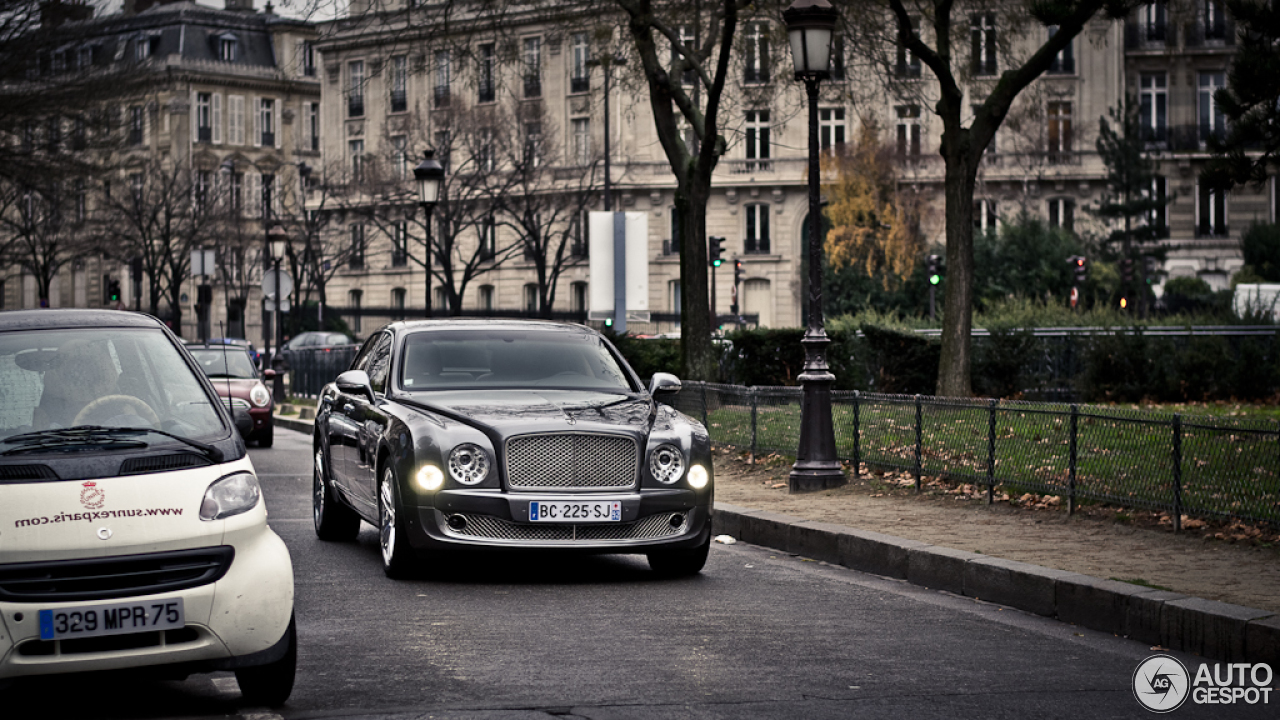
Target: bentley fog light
430 477
229 496
468 464
666 463
698 477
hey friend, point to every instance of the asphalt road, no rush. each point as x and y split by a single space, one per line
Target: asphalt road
759 634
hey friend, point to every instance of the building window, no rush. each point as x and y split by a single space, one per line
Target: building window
353 302
313 125
908 63
757 60
578 297
137 125
582 141
1064 63
1153 107
203 184
81 209
579 80
1062 214
486 298
235 192
399 157
908 132
486 93
227 49
399 244
688 39
488 238
443 78
837 57
442 299
757 140
1212 123
532 67
399 84
532 145
1211 212
444 145
235 119
357 247
355 88
308 59
1157 217
1154 19
673 296
270 198
145 47
830 127
982 36
672 246
1060 146
267 121
1214 19
531 298
204 117
84 56
985 218
486 154
757 238
579 247
397 303
356 150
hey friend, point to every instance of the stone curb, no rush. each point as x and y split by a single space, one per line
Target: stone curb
1214 630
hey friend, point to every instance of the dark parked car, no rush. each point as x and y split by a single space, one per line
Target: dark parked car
504 434
311 341
237 381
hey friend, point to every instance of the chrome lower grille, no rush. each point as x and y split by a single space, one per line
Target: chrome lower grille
488 527
572 461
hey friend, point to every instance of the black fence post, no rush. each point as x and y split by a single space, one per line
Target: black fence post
919 440
754 411
705 423
1071 462
1177 472
857 441
991 450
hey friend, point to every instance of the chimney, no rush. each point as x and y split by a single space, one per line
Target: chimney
240 5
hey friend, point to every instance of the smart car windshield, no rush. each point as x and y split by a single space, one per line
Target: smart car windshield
508 358
51 380
218 363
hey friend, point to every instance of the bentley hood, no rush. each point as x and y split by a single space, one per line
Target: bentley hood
514 412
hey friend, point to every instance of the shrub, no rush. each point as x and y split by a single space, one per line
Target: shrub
902 362
1002 362
648 355
1260 246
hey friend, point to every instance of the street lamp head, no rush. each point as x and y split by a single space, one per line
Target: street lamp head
810 25
430 176
278 238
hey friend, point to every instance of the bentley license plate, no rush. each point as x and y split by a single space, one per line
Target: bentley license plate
575 512
117 619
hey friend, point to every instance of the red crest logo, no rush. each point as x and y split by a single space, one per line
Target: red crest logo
92 496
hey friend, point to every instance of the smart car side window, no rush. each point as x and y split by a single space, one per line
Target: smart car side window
380 363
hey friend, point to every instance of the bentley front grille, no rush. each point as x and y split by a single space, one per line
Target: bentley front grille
487 527
572 461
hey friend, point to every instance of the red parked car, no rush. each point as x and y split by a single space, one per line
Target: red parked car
239 383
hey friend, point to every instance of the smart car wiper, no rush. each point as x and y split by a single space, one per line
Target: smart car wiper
80 433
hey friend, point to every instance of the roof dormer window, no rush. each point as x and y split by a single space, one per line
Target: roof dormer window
144 46
225 46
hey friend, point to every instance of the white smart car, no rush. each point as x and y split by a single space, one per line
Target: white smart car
132 528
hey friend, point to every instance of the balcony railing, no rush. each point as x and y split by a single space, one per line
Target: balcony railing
399 101
399 259
1205 230
1149 36
204 134
268 139
355 106
486 93
579 84
442 96
1211 34
743 167
532 87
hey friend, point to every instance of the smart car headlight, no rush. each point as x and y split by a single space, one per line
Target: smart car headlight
231 495
468 464
666 462
259 395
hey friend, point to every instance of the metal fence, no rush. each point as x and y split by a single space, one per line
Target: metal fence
311 368
1215 467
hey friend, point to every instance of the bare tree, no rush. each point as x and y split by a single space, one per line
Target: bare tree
45 230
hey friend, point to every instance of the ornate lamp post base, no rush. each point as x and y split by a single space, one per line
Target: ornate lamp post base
817 465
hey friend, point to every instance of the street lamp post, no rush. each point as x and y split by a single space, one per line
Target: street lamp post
809 25
607 64
304 174
430 176
277 241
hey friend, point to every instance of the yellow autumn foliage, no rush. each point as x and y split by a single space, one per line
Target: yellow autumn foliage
874 226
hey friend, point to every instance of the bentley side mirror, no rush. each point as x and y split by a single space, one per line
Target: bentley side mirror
355 382
664 384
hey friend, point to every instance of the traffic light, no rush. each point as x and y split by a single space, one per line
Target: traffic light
1079 269
716 250
1126 270
113 291
935 269
737 272
1152 267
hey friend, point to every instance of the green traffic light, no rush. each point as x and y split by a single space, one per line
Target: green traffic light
716 262
934 279
608 322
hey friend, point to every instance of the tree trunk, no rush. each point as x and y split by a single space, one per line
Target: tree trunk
699 359
175 302
957 322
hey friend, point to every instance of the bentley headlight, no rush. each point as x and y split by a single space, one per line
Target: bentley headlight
259 395
666 463
468 464
231 495
698 477
429 477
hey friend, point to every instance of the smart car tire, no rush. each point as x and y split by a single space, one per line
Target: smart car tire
267 437
680 563
397 557
271 684
334 521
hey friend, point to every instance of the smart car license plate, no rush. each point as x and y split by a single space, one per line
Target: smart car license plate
118 619
575 512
